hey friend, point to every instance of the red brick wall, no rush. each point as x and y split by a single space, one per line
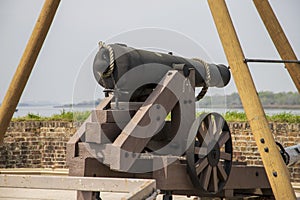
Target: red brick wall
245 148
36 145
43 144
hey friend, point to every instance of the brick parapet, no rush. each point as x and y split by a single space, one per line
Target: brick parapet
42 144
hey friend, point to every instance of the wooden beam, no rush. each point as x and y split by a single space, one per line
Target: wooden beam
72 146
132 188
148 120
276 170
279 39
26 64
134 136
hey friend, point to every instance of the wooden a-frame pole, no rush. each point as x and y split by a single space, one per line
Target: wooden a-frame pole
279 39
275 167
26 64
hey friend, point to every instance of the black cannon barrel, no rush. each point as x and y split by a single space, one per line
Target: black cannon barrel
115 60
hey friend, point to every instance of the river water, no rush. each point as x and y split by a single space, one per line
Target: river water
47 111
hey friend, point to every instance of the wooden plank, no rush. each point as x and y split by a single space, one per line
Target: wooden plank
80 133
122 185
174 177
35 171
275 168
279 39
72 150
26 64
247 177
150 118
112 116
36 194
102 133
165 101
127 105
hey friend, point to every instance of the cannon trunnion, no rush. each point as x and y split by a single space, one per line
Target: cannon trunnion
128 134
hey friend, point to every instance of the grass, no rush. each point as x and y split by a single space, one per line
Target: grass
281 117
285 117
63 116
232 116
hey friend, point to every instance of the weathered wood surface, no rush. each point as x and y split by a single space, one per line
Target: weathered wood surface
132 188
112 116
275 168
102 133
279 39
26 64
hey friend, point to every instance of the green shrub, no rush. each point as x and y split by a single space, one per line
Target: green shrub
63 116
232 116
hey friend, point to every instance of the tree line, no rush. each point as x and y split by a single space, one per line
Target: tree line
268 99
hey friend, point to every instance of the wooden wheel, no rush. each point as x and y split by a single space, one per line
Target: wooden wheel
209 158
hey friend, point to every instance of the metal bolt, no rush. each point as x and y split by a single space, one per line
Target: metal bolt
126 154
266 149
262 140
275 174
158 118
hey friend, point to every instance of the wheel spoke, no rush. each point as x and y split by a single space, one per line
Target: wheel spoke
206 177
225 136
202 131
200 136
215 179
219 122
222 173
205 126
210 160
200 151
206 139
225 156
211 126
200 166
219 126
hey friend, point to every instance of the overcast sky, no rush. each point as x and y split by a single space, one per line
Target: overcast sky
63 71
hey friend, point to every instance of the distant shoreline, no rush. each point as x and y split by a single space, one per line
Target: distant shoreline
296 107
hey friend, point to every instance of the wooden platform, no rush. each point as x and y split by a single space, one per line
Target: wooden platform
66 187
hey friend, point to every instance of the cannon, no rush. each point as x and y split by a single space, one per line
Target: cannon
147 68
146 127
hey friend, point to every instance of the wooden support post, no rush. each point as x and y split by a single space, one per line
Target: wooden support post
279 39
276 170
26 64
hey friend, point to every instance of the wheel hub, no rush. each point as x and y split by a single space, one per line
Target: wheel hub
214 155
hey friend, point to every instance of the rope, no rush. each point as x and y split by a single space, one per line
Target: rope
202 93
206 66
207 79
108 72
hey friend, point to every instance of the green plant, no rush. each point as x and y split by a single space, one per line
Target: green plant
235 116
285 117
63 116
231 116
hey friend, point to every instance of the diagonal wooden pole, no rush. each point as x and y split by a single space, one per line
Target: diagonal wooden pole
26 64
275 168
279 39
